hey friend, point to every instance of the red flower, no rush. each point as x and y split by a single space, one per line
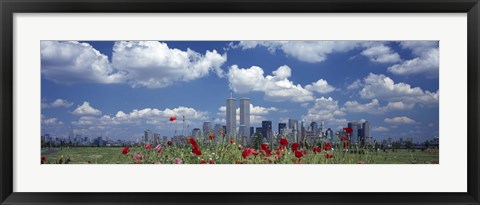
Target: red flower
317 149
265 146
43 160
304 152
249 151
203 162
279 154
211 136
237 162
232 140
281 147
295 146
196 151
283 141
344 138
327 146
125 150
137 156
348 130
169 143
361 162
298 154
328 156
345 145
211 162
193 142
148 146
173 118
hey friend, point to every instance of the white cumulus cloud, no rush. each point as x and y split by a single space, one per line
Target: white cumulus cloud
86 109
321 86
276 87
399 120
381 53
426 60
57 103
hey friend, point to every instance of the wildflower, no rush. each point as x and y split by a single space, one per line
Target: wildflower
298 154
328 156
249 151
169 143
283 141
211 136
317 149
232 140
348 130
211 161
137 156
148 146
237 162
304 152
240 147
193 142
173 118
265 146
295 146
177 161
196 151
327 146
203 162
43 160
158 148
125 150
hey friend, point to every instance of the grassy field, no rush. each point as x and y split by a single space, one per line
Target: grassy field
232 154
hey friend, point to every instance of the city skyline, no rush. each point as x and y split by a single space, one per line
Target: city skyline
121 89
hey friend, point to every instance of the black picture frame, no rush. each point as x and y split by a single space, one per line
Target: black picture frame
10 7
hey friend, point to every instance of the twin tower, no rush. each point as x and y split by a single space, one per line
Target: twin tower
231 118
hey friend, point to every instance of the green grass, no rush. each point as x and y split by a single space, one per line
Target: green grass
230 154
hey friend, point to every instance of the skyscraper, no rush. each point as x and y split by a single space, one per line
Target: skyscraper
355 126
314 128
366 132
293 126
281 127
231 117
207 128
302 132
245 117
267 130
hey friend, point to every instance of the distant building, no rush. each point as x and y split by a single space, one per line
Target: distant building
281 127
207 128
329 134
366 133
354 137
245 117
293 125
259 130
196 132
252 131
267 130
148 136
231 116
302 132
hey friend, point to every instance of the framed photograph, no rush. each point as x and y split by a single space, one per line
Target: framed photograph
258 102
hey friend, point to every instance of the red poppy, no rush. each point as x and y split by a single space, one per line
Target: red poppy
281 147
298 154
137 156
203 162
237 162
327 146
169 143
173 118
211 136
125 150
148 146
249 151
279 154
193 142
196 151
328 156
295 146
348 130
211 161
232 140
283 141
344 138
304 152
265 146
43 160
345 145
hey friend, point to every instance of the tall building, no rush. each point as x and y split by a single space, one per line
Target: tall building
302 132
281 127
231 117
329 134
216 129
366 132
148 136
259 130
196 132
252 131
245 117
267 130
314 128
207 128
293 126
355 126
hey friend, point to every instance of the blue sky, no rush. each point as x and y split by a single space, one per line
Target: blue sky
118 89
